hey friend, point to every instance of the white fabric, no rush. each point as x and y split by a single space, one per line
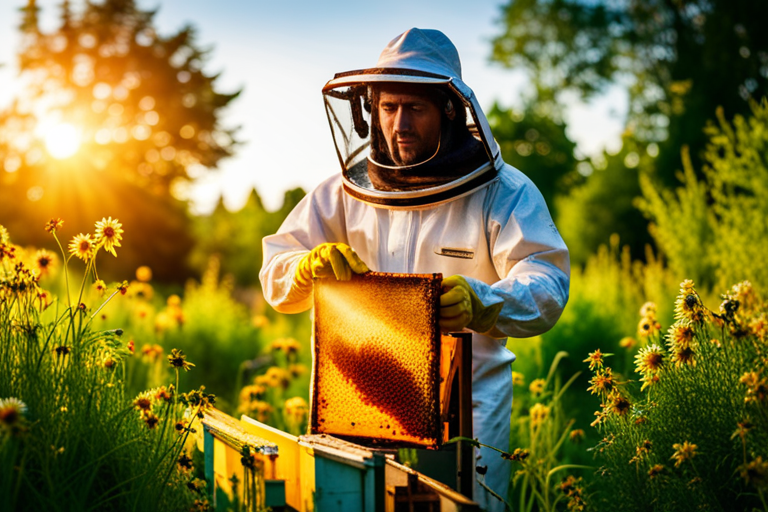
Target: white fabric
517 255
519 258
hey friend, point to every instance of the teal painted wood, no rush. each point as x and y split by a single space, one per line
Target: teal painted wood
208 452
339 487
274 493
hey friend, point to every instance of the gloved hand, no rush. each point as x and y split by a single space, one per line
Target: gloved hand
461 307
327 260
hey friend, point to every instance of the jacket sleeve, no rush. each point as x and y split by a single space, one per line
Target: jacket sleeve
530 258
318 218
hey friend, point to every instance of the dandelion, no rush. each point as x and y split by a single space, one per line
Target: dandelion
252 393
655 470
755 473
82 247
595 359
44 262
277 377
288 345
538 414
683 452
109 233
144 274
602 382
628 342
54 225
12 411
518 379
650 359
537 386
177 359
100 287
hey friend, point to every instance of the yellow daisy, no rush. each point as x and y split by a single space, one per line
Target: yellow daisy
54 225
109 233
45 262
537 386
650 359
82 246
683 452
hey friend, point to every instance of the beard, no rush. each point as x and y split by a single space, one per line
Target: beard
415 154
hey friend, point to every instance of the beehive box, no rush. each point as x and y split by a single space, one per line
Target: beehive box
376 371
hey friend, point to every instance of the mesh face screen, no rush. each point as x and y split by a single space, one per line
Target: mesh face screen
376 369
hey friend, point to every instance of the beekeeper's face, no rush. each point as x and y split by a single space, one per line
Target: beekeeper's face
410 123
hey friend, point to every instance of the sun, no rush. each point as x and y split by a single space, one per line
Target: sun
62 140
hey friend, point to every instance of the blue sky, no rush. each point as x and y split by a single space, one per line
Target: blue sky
281 53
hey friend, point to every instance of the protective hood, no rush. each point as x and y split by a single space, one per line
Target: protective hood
466 158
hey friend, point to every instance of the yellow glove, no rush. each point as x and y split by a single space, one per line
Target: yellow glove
461 307
327 260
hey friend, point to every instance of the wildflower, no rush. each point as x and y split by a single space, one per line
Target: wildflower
628 343
296 370
755 473
252 393
518 379
595 359
655 470
683 452
641 451
184 462
680 334
163 393
602 382
683 355
261 410
197 485
537 386
618 403
278 377
123 287
173 301
54 225
131 346
716 342
601 415
151 420
648 380
519 455
144 274
45 261
100 287
108 362
109 233
181 426
743 429
649 359
12 411
577 435
648 326
688 306
82 247
62 350
152 352
648 310
288 345
296 409
177 359
538 414
757 387
759 326
143 402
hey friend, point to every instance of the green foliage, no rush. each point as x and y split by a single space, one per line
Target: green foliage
71 438
536 145
148 119
696 437
235 237
714 229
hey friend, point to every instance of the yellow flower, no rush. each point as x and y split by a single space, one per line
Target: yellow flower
649 380
252 393
297 369
602 382
537 386
173 301
82 247
109 233
518 379
45 262
100 287
278 377
628 343
759 326
54 225
143 402
595 359
618 403
757 387
144 274
648 326
650 359
5 238
577 435
755 472
177 360
683 355
12 411
648 309
688 306
288 345
538 414
680 335
655 470
683 452
296 409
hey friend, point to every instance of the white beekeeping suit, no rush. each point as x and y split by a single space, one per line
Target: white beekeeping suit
488 223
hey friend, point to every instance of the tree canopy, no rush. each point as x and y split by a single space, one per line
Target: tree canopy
113 121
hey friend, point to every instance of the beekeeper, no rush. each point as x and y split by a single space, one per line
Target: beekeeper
423 189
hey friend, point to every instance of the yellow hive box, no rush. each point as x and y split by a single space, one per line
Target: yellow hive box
376 369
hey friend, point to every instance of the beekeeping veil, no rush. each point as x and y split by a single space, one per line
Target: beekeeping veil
467 157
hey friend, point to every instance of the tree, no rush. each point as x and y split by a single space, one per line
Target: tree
113 121
680 61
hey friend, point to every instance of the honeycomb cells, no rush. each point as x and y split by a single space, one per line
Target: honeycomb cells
376 370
